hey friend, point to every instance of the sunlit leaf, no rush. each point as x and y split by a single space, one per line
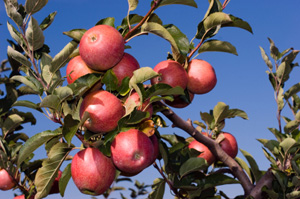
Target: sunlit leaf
48 21
158 189
253 165
107 21
15 34
292 91
75 34
33 6
244 166
11 122
218 46
34 35
238 23
266 58
12 11
182 2
132 4
28 104
19 57
31 82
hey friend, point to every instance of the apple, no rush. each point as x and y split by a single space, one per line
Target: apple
155 143
132 151
125 67
55 185
171 73
146 107
6 181
105 110
92 172
101 47
229 144
201 77
180 101
23 197
205 152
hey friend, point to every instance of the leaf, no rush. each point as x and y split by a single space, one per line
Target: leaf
291 126
46 175
31 82
28 104
51 101
15 34
110 80
253 165
70 128
238 23
287 144
273 50
191 165
34 35
75 34
181 2
216 179
220 111
231 113
63 56
292 91
158 189
132 4
19 57
63 181
35 142
10 123
45 63
107 21
218 46
33 6
283 71
12 11
266 58
48 20
244 166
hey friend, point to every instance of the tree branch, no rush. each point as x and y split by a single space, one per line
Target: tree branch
265 180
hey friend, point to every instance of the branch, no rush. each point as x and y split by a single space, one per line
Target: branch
265 180
213 146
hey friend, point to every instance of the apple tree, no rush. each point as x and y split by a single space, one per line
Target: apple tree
116 108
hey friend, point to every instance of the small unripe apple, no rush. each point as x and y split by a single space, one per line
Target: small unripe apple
92 172
205 152
105 110
229 144
101 47
125 67
55 185
201 77
6 181
171 73
180 102
132 151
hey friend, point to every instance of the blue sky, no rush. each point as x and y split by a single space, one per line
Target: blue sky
242 81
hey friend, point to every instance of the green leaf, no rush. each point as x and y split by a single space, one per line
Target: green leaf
31 82
63 56
33 6
137 116
35 142
214 6
291 126
75 34
283 71
70 128
107 21
218 46
45 63
48 20
110 80
12 11
28 104
10 123
63 93
216 179
244 166
19 57
15 34
65 178
132 4
266 58
272 145
238 23
215 19
292 91
46 175
34 35
51 101
253 165
220 111
273 50
158 189
231 113
287 144
181 2
191 165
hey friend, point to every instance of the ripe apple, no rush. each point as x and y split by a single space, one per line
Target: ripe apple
132 151
55 185
101 47
201 77
134 96
125 67
92 172
205 152
171 73
229 144
23 197
179 101
105 110
6 181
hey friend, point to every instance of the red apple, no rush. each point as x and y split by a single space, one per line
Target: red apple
101 47
23 197
125 67
201 77
171 73
132 151
179 101
105 110
55 185
134 96
229 144
92 172
155 143
6 181
205 152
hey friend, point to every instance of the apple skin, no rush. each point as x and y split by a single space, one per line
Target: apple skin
205 152
92 172
6 181
171 73
23 197
105 111
132 151
136 98
201 77
229 145
155 143
125 67
55 186
101 47
178 102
